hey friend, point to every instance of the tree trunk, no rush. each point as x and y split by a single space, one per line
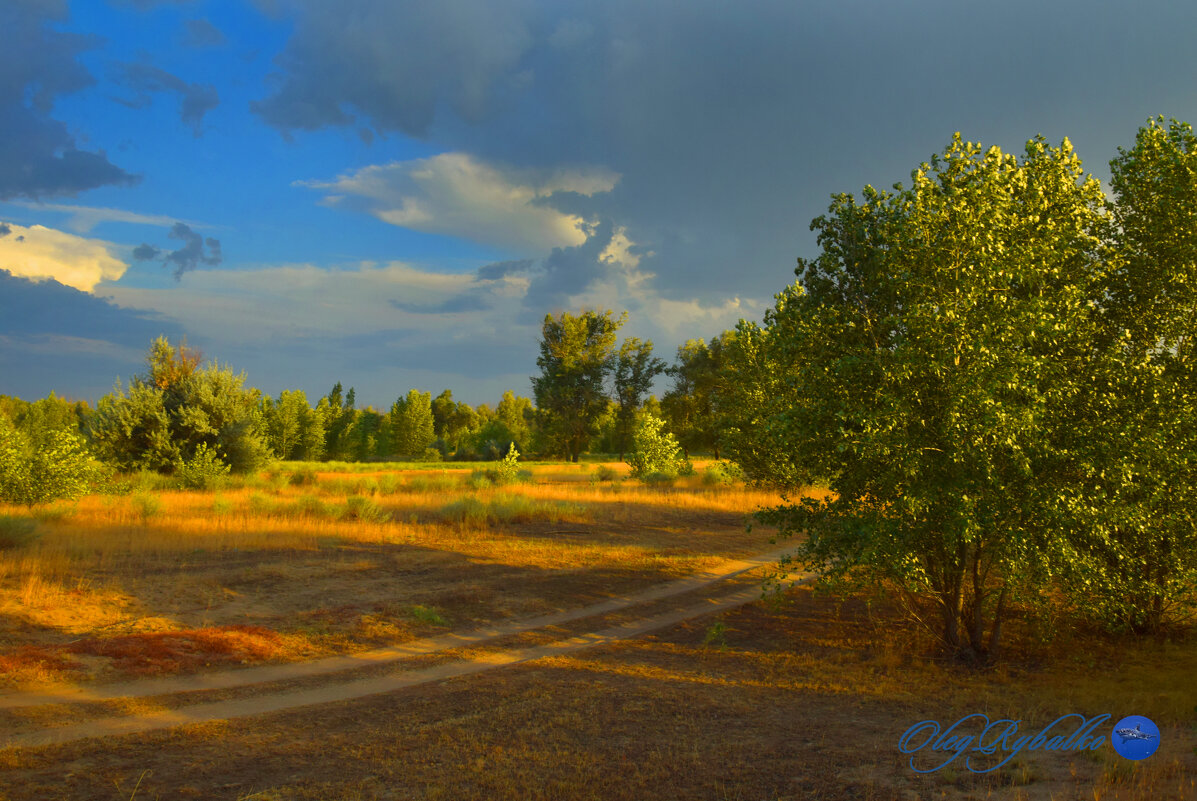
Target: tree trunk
996 632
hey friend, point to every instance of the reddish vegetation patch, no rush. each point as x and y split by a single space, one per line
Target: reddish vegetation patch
35 658
172 651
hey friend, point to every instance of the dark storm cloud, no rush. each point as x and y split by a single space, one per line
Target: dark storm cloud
397 76
195 100
186 258
502 269
200 32
5 230
48 308
568 271
731 124
38 155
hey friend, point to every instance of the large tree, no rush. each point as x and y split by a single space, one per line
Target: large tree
1136 432
690 404
294 429
921 365
412 429
576 354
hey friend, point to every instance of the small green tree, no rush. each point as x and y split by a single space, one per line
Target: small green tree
204 470
43 467
655 451
632 372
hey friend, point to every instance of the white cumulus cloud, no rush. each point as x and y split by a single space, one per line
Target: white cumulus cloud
39 253
458 195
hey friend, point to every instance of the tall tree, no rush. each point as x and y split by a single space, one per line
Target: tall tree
411 425
294 430
1136 431
576 353
690 404
922 365
633 371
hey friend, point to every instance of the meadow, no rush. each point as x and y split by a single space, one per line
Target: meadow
801 696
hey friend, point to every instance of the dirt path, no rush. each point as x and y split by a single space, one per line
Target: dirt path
274 701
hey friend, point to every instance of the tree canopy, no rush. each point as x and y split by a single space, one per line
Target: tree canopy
922 364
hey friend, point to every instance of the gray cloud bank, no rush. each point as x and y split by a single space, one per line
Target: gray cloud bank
731 124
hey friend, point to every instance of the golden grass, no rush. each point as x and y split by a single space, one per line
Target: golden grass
271 550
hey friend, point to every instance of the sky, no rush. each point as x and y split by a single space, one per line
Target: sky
394 194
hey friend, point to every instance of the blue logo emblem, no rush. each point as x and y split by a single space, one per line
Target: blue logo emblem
1135 737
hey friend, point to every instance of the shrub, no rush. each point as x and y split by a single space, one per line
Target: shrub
16 532
659 479
655 452
302 477
721 473
426 614
146 506
605 473
509 469
202 471
42 467
365 510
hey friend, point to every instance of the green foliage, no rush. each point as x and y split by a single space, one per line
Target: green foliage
146 506
509 469
294 430
576 354
412 428
365 510
302 477
633 369
426 615
690 406
721 474
1135 430
202 471
43 465
605 473
16 532
924 365
655 451
175 407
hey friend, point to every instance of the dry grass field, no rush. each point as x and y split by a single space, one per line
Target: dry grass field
802 698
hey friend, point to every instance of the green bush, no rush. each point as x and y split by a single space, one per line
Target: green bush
655 452
43 466
365 510
146 506
202 471
605 473
302 477
17 532
659 479
720 473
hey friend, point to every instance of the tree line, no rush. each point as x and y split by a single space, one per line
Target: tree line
588 397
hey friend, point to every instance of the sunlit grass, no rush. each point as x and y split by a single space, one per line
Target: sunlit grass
152 558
